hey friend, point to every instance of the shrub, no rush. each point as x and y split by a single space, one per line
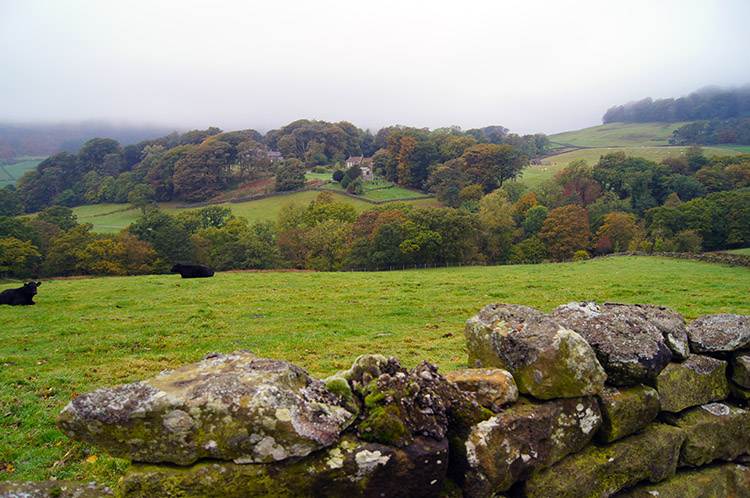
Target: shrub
688 241
581 256
338 175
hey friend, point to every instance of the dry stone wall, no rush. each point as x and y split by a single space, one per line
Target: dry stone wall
589 400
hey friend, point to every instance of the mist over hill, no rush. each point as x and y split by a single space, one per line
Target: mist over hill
45 139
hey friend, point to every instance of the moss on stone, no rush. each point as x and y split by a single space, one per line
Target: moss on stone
603 470
385 425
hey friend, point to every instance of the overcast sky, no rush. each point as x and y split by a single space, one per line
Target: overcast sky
529 65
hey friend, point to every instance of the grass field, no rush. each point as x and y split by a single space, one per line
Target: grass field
111 218
618 135
15 171
86 334
535 174
376 190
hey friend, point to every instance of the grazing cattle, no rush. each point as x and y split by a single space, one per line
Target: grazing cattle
192 271
21 296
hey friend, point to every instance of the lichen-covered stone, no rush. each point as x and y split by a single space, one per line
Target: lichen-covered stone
631 349
234 406
526 437
716 431
604 470
546 359
722 332
671 323
741 369
398 404
739 393
493 388
53 489
350 468
696 381
626 410
719 481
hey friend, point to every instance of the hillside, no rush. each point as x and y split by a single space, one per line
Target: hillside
618 135
111 218
648 140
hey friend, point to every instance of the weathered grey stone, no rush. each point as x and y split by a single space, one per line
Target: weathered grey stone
604 470
493 388
546 360
351 468
715 333
716 431
741 368
626 410
524 438
631 349
234 406
671 323
720 481
49 489
696 381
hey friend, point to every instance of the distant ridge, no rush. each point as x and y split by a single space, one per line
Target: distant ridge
45 139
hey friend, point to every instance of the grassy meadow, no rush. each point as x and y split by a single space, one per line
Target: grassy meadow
649 140
111 218
12 172
618 135
89 333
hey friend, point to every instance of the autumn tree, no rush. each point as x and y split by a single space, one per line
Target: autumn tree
578 183
489 165
65 249
565 231
203 172
618 229
123 254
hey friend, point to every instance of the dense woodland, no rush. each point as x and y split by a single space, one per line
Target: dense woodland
716 116
620 203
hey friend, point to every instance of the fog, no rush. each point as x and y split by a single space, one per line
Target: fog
532 66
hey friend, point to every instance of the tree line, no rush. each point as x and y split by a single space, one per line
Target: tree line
201 164
705 104
690 203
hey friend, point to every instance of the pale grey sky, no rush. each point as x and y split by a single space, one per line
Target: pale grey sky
530 65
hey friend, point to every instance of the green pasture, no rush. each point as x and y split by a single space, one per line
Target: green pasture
535 174
740 251
91 333
10 173
375 190
111 218
619 135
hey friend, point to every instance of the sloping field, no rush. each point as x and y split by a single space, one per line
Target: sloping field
111 218
11 173
619 135
90 333
658 154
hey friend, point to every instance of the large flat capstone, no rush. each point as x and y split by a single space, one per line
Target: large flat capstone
719 333
629 341
234 406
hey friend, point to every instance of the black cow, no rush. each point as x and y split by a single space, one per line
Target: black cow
192 271
21 296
